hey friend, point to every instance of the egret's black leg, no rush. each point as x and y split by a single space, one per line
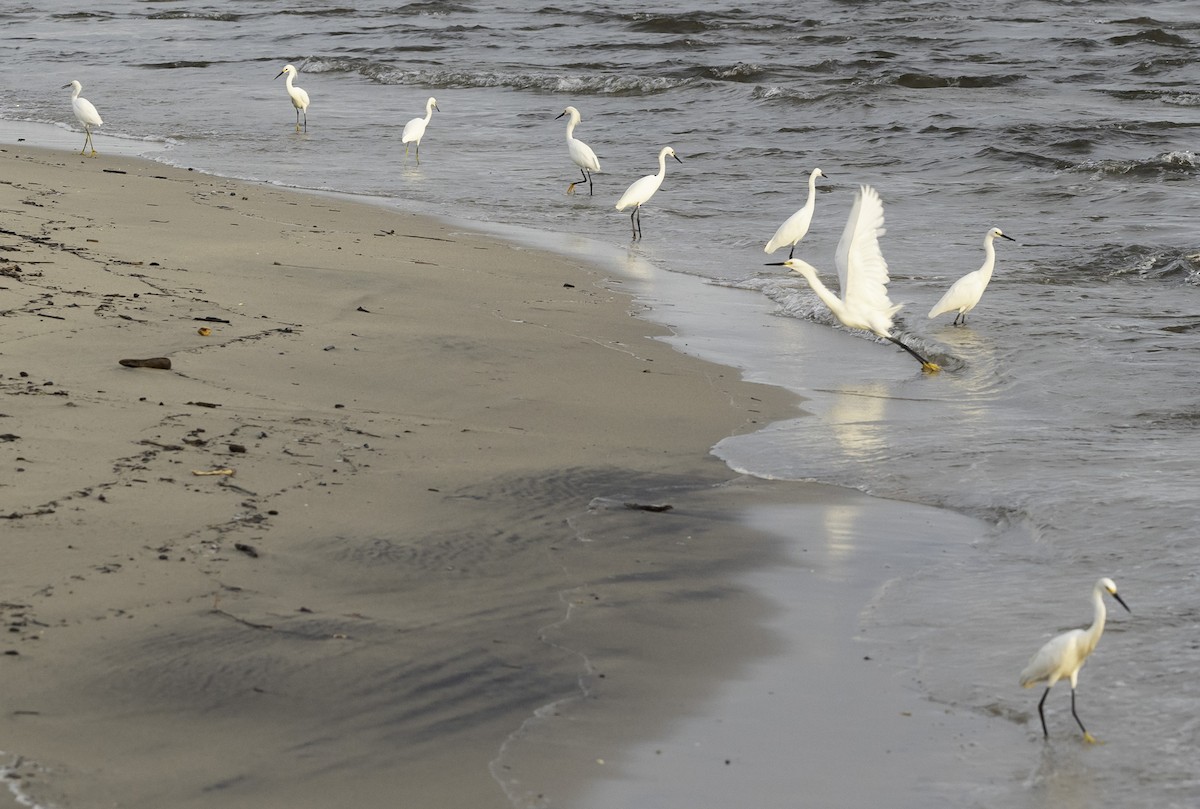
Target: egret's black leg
1081 727
925 364
635 221
1042 711
792 252
306 120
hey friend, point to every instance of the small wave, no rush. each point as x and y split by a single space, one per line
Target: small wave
322 12
579 84
740 72
180 14
929 81
82 15
787 94
1153 36
1026 158
1138 261
1180 99
173 65
682 44
1174 162
648 23
433 8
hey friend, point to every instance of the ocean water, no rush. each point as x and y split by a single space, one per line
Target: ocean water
1066 421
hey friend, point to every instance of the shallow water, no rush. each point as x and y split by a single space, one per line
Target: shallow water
1066 419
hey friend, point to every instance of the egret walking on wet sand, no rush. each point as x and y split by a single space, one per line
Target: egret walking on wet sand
862 274
641 190
414 130
85 113
966 291
581 154
796 225
299 97
1064 655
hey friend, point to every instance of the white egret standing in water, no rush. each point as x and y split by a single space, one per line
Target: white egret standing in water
299 97
1065 654
581 154
795 227
964 293
414 130
641 190
85 113
862 275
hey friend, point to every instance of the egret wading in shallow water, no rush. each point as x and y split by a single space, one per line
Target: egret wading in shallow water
966 291
299 97
1064 655
414 130
85 113
796 226
641 190
862 275
581 154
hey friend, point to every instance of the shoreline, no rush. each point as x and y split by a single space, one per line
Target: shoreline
438 462
480 411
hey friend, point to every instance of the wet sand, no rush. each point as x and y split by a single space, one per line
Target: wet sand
316 554
404 492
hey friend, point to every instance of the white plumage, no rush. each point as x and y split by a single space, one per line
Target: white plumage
414 130
964 293
85 113
1065 654
862 274
581 154
795 227
298 96
640 191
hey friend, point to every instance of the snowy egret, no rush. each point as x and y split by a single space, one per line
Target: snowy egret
641 190
1065 654
796 225
581 154
966 291
414 130
862 274
85 113
298 96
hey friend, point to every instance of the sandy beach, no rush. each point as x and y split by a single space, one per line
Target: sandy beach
414 517
317 555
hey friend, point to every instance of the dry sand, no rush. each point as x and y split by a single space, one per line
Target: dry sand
404 421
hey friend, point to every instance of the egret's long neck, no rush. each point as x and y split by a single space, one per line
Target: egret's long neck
812 190
827 297
428 111
1099 613
75 91
288 80
989 263
571 127
662 165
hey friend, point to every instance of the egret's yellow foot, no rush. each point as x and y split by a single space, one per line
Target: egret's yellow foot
571 188
1090 739
930 367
